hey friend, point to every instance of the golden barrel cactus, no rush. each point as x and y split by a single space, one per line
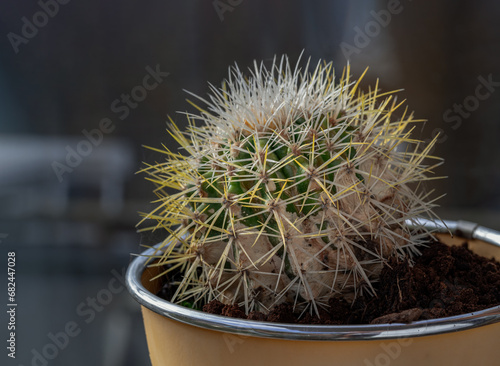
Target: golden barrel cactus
291 186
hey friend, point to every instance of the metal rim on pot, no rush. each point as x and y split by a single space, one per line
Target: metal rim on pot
242 327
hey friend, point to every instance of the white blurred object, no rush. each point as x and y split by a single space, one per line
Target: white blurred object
31 182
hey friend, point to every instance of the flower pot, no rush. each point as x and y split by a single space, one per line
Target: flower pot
177 335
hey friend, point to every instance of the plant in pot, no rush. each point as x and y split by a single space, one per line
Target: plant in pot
297 220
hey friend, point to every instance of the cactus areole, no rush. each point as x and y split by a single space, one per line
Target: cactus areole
290 186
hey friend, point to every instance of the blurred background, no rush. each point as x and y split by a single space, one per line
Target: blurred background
85 85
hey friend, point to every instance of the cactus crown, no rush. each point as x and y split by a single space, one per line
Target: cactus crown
295 188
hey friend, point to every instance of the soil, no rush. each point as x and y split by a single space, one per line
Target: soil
443 281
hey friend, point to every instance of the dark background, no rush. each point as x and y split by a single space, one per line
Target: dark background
72 231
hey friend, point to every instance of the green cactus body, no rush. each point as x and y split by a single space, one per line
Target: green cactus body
295 189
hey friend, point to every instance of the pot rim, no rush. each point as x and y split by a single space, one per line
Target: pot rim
245 327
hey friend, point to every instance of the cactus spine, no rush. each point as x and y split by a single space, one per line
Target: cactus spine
295 188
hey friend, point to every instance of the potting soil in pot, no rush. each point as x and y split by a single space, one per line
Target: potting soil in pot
443 281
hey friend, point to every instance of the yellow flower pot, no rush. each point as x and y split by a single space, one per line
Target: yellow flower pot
181 336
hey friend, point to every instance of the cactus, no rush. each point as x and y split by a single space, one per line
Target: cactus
295 187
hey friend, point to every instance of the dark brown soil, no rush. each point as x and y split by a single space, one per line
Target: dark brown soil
444 281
